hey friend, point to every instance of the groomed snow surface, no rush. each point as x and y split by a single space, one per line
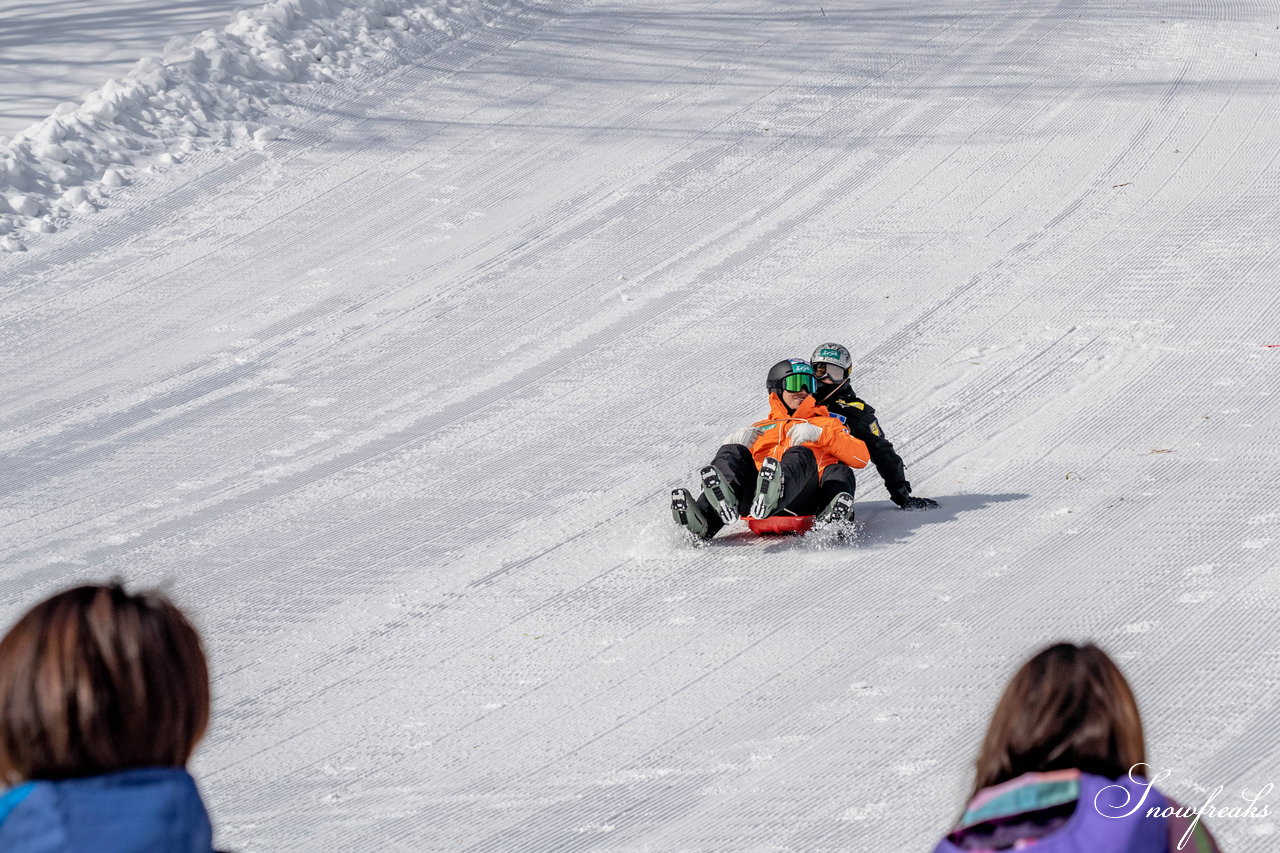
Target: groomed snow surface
393 403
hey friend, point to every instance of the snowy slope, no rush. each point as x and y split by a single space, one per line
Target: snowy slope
394 404
52 51
214 91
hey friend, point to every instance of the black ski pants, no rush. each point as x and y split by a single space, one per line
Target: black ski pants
804 492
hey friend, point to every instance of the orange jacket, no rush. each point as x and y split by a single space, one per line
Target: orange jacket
834 445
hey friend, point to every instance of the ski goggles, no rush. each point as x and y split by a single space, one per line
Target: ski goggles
835 371
800 382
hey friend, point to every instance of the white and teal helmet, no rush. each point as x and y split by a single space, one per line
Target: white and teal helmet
832 359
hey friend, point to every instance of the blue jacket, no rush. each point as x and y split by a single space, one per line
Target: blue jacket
148 809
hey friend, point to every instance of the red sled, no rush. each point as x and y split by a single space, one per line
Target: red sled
780 525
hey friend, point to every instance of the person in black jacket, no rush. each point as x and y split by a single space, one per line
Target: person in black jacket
831 362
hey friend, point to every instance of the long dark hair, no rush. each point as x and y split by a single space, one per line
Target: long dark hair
95 680
1067 707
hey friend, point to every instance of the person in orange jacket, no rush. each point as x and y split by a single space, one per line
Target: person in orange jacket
797 461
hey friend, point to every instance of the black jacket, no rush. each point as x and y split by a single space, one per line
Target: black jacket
860 418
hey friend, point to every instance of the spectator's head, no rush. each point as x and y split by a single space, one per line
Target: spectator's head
95 680
1068 707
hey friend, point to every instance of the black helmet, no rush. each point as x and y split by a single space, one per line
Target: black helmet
780 374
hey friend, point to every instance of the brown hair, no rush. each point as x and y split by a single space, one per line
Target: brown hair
1067 707
95 680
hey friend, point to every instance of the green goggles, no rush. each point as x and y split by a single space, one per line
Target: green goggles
800 382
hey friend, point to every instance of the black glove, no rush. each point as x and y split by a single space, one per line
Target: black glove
910 502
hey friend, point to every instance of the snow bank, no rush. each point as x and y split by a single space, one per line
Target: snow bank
213 90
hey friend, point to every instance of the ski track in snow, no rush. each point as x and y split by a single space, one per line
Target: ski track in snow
394 405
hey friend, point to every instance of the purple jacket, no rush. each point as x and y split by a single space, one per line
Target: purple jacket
1067 811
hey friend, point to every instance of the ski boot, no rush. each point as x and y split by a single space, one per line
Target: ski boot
839 511
687 515
719 494
768 489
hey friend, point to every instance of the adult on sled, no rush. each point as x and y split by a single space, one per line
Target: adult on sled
796 462
831 363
